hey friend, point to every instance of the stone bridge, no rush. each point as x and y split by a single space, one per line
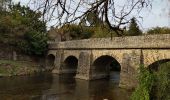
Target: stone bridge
90 58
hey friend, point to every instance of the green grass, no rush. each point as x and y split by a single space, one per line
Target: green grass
10 68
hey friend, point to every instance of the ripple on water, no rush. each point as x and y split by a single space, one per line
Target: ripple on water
60 87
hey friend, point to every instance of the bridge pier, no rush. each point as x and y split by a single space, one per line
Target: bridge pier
84 64
130 65
58 62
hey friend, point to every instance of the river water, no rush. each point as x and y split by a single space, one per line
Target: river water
46 86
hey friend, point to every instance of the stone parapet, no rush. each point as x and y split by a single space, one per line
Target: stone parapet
129 42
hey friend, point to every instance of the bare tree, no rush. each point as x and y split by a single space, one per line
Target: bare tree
114 13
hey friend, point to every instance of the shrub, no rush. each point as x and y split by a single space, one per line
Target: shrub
146 81
162 83
153 85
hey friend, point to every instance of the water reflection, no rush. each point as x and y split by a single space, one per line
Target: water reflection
60 87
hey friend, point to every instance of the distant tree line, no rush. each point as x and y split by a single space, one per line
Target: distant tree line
159 30
94 29
97 29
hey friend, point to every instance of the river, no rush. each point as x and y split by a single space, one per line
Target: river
46 86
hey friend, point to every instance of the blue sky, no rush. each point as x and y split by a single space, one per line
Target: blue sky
158 16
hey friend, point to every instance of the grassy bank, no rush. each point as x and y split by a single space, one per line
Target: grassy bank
12 68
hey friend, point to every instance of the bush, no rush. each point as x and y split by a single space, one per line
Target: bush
153 85
75 31
162 84
146 81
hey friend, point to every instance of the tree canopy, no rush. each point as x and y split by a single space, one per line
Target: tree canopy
21 27
133 28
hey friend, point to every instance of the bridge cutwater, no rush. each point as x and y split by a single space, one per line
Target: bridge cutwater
89 58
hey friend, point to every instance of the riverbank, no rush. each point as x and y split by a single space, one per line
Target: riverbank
15 68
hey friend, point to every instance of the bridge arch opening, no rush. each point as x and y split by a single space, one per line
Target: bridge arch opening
107 66
50 62
70 65
155 66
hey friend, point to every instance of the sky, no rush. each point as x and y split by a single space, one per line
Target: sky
158 16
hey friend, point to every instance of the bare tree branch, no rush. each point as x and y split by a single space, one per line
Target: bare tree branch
109 11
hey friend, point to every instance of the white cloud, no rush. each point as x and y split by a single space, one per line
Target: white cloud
15 1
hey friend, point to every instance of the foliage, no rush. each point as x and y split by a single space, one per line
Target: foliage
75 31
89 27
34 43
162 83
159 30
21 27
146 81
153 85
87 32
102 31
134 28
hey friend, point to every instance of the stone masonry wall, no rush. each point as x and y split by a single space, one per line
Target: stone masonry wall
8 53
147 41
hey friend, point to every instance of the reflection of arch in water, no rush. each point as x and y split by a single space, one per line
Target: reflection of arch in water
155 65
103 65
50 63
70 65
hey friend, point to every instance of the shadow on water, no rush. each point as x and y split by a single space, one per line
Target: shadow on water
47 86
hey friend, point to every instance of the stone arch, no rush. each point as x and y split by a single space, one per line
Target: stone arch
116 54
102 66
68 53
151 56
50 62
155 65
70 64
